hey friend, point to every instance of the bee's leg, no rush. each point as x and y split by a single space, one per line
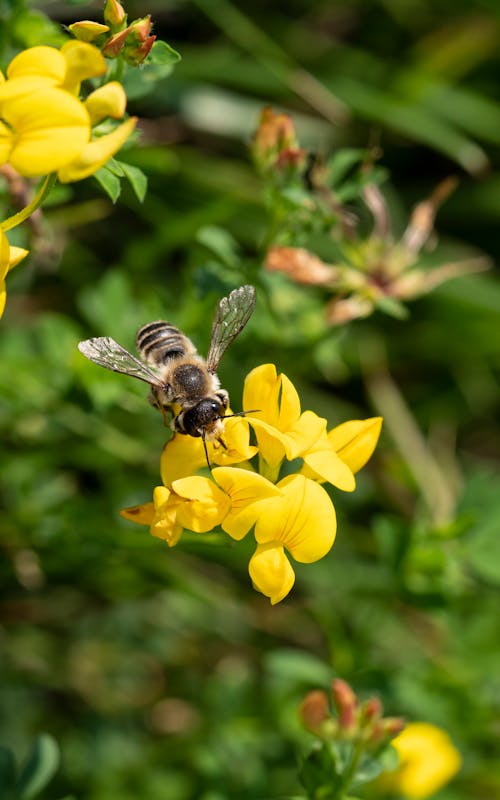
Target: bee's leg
155 401
223 397
222 442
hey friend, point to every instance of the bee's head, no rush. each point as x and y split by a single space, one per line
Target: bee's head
203 419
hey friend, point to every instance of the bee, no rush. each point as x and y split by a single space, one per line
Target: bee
182 382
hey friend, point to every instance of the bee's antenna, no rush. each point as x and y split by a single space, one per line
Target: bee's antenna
241 413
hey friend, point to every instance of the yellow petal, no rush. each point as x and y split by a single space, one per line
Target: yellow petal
271 572
303 433
355 441
4 254
181 456
185 455
9 256
86 30
297 439
95 154
38 61
248 493
27 86
206 505
165 524
273 395
143 514
51 128
6 143
83 61
271 442
109 100
428 760
326 465
303 519
3 296
261 392
16 255
236 438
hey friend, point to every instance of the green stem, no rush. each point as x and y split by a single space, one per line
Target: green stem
45 187
350 770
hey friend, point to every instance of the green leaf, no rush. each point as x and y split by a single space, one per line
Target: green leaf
483 547
136 178
391 306
220 242
342 162
7 774
40 766
109 182
162 54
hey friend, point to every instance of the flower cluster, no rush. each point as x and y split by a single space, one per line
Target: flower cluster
354 747
291 514
353 721
132 41
378 270
44 125
9 257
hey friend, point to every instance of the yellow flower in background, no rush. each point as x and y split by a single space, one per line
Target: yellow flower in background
428 760
44 126
293 516
9 258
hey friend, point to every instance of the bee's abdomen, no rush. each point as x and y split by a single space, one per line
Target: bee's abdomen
159 342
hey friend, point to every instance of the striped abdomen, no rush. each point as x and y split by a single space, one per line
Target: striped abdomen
159 342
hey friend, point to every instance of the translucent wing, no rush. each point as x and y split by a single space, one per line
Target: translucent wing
233 313
109 354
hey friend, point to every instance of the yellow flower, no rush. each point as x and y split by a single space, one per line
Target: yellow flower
280 428
234 499
160 515
44 127
184 455
294 516
303 521
9 258
283 431
353 444
428 760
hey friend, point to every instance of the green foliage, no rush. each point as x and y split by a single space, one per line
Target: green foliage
38 769
160 672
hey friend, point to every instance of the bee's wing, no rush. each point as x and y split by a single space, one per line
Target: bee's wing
233 313
109 354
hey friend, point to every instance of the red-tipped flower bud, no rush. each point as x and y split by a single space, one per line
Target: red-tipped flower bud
314 710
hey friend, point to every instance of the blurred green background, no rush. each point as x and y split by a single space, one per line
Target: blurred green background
161 673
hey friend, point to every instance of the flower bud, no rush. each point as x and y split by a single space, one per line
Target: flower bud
139 41
392 726
115 45
275 139
114 15
346 704
314 710
87 30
